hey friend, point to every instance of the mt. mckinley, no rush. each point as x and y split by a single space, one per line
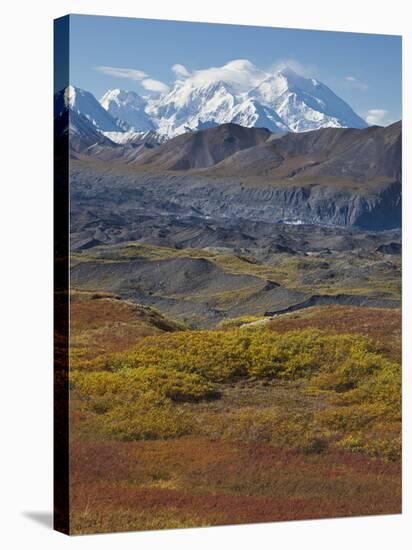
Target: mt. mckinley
238 92
283 101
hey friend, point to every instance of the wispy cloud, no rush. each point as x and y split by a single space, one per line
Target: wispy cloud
180 70
148 83
241 74
155 86
307 70
355 82
378 117
132 74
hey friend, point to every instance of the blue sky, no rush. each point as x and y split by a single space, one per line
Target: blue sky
364 69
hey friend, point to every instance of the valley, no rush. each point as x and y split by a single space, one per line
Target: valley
204 245
235 337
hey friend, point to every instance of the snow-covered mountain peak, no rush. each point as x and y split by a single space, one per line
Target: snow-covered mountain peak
270 88
298 82
238 92
69 96
304 103
82 102
121 97
129 108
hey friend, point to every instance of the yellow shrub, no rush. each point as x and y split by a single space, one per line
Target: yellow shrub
227 355
293 431
146 419
134 394
129 384
373 444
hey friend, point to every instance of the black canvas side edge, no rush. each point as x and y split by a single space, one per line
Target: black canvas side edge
61 516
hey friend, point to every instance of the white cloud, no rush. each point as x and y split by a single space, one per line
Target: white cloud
350 78
155 85
180 71
378 117
133 74
241 74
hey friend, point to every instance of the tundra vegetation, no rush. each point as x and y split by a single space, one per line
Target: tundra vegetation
297 417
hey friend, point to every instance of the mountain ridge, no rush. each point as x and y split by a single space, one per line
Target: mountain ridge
205 148
281 102
84 103
230 150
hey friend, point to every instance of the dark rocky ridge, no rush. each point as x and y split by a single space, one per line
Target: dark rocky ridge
375 207
231 150
337 177
339 299
204 148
